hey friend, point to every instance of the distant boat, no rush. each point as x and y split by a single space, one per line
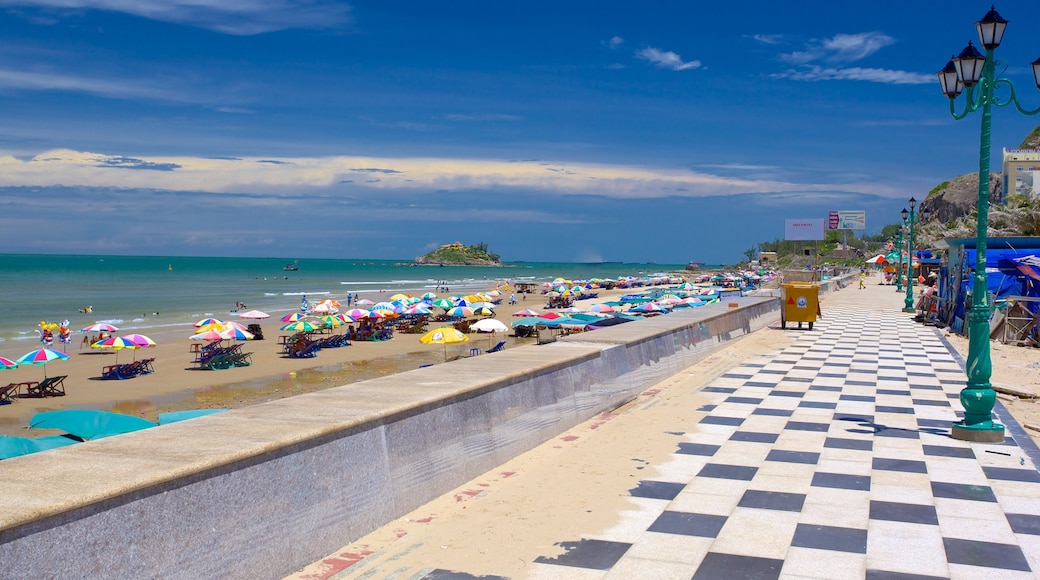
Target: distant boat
292 267
170 267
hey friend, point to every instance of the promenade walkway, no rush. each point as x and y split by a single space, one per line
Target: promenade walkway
792 454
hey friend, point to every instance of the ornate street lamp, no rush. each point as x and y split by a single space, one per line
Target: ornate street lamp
899 249
908 303
976 72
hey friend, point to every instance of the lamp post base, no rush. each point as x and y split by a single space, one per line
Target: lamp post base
909 310
981 433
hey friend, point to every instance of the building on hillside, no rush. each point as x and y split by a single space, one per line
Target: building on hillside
1021 168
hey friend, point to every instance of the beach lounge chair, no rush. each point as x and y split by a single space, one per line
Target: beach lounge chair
48 387
501 344
307 350
474 351
6 391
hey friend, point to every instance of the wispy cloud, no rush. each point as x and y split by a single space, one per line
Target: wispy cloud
404 176
239 17
666 59
840 48
843 49
876 75
766 38
615 42
482 117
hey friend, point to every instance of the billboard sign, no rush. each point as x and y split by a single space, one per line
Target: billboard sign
804 229
847 220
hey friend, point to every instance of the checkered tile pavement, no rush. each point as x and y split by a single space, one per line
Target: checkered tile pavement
831 459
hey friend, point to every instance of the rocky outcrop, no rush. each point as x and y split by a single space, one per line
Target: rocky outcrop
959 197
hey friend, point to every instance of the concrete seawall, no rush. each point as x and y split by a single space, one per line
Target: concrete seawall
260 491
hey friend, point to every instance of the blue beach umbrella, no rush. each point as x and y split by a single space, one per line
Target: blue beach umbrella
89 424
17 446
175 416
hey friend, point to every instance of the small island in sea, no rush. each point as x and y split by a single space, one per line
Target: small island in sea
456 254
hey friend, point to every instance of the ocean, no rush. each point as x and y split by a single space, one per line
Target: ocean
150 293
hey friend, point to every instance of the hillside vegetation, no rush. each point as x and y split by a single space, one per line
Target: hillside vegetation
457 254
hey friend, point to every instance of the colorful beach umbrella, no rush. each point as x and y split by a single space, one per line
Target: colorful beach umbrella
526 312
299 326
209 335
100 327
41 356
293 317
462 311
235 334
207 322
139 339
357 313
483 311
6 363
254 315
601 308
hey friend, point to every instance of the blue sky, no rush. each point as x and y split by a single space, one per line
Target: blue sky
564 131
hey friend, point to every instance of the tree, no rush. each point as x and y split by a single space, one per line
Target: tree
751 253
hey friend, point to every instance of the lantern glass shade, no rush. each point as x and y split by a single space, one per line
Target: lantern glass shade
912 202
951 84
905 214
969 65
1036 72
991 29
925 214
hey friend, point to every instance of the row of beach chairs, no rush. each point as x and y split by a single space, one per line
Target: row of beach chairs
128 370
48 387
227 360
216 357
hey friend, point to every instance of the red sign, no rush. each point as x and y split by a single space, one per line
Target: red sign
833 221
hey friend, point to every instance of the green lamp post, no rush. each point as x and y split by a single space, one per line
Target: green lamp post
914 217
976 72
899 248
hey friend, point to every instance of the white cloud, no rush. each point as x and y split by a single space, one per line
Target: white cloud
482 117
876 75
668 60
280 177
241 17
615 42
840 48
766 38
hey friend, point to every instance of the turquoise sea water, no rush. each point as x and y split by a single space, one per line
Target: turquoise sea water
128 291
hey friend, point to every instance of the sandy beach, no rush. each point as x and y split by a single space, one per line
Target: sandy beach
176 385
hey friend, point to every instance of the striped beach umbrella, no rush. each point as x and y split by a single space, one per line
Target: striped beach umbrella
209 335
41 356
207 322
299 326
6 363
100 327
139 339
462 311
357 313
235 334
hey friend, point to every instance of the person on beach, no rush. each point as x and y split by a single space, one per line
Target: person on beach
862 280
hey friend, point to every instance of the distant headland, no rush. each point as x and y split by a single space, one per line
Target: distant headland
457 254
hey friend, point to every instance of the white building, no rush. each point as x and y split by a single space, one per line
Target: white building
1020 168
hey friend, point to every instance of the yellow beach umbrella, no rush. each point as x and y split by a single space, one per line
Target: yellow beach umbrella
444 335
